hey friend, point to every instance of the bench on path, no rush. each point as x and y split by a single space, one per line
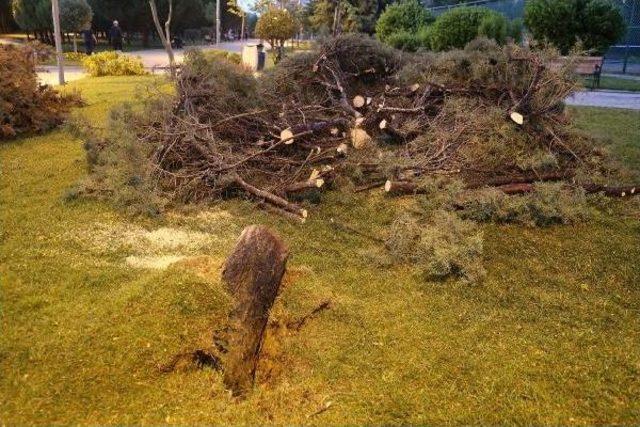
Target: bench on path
588 66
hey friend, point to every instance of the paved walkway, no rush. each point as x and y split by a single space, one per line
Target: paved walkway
606 98
151 58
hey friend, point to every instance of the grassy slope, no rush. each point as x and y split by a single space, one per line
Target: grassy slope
551 337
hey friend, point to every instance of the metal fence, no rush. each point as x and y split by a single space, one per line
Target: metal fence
510 8
623 57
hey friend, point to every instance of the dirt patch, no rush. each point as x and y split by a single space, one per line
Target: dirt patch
160 262
170 239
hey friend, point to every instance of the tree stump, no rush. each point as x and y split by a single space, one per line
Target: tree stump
252 274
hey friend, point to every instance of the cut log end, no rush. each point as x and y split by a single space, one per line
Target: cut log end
359 138
387 186
359 101
342 149
517 117
286 136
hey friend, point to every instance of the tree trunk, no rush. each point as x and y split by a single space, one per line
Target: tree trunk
165 36
252 274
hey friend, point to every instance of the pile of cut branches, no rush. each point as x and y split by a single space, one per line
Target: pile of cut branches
353 108
25 105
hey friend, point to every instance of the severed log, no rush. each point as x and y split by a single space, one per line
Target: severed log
278 211
269 197
399 188
304 185
623 191
287 136
252 275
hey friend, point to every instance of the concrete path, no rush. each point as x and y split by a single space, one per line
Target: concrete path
150 58
606 98
158 57
48 74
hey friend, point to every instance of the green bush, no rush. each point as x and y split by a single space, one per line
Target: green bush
457 27
515 30
597 24
404 40
234 57
494 26
407 16
112 64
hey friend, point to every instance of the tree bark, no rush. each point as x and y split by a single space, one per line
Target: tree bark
165 36
252 274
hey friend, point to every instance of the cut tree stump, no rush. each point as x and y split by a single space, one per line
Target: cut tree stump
252 274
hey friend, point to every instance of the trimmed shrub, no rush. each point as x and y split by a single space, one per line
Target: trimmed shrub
404 40
25 105
112 64
494 26
597 24
515 30
407 16
457 27
234 57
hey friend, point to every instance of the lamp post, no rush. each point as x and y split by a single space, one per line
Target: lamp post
55 9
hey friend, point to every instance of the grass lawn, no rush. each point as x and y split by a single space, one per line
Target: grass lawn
616 83
551 337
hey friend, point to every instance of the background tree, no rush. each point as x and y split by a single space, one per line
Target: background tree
408 16
341 16
7 24
596 23
34 16
164 33
277 26
74 16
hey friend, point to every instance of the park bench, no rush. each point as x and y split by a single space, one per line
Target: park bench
587 66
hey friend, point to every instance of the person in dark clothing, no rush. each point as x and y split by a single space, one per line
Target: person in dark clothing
115 35
89 40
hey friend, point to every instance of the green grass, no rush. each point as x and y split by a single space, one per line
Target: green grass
616 83
551 337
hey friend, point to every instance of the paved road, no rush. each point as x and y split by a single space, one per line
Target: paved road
606 98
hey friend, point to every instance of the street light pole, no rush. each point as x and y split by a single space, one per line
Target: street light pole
55 9
218 21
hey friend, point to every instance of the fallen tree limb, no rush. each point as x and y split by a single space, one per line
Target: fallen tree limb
622 191
270 197
400 187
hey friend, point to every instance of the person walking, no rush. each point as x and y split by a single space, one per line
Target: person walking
115 36
90 40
